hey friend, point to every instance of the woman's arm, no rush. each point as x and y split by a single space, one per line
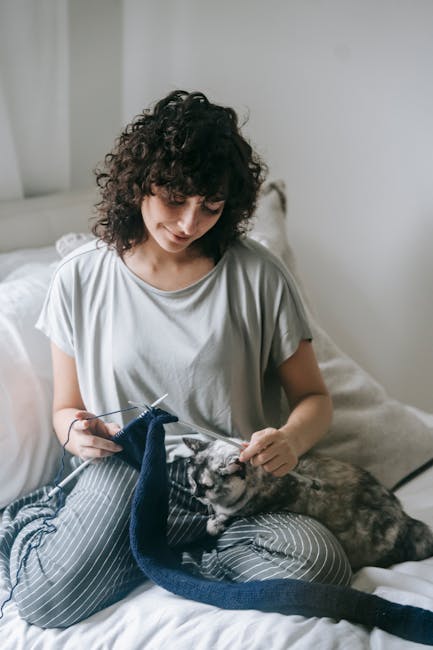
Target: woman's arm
278 450
88 438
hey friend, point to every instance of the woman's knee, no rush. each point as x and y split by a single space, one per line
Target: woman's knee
40 609
54 592
67 574
319 553
286 545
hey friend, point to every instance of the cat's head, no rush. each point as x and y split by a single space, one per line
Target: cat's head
215 473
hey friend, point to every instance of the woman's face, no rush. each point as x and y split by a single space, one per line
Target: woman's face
174 223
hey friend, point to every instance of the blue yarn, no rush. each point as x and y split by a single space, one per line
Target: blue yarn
143 447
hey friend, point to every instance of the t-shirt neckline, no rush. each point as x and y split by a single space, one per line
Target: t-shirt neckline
215 270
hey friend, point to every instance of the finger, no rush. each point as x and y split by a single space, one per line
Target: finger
82 415
104 429
84 420
264 457
253 450
96 442
82 425
282 470
260 440
108 446
113 428
274 464
94 454
249 452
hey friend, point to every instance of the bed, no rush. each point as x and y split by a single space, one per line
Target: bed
391 439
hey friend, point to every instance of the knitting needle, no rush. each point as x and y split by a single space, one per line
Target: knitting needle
90 460
146 407
212 434
69 477
206 432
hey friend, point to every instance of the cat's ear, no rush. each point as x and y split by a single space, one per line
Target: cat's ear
195 444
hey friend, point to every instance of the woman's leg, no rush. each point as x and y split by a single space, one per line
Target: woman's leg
187 516
279 545
86 564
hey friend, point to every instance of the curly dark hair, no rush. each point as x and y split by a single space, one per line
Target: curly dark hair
190 146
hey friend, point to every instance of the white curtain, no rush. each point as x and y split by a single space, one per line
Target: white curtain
10 178
34 97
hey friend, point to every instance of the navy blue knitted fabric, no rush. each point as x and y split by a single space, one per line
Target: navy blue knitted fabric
143 447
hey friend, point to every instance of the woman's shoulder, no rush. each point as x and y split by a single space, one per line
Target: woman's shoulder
84 262
252 254
263 268
85 256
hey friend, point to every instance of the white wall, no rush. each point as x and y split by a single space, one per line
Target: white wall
340 95
60 92
34 90
95 68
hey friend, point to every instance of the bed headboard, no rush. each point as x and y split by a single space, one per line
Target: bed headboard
39 221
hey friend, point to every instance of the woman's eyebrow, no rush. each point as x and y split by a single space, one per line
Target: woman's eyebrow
214 199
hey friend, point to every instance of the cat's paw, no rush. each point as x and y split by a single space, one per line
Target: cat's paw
216 525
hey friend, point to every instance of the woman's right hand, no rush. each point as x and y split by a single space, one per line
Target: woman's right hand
92 438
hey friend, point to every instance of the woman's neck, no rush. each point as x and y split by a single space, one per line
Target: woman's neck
167 271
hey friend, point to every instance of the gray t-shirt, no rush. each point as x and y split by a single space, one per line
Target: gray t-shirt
213 346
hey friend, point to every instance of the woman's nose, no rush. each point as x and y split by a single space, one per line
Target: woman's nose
188 220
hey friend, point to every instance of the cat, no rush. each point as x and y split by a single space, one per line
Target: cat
366 518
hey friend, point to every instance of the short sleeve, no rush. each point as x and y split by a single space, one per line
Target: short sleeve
291 322
55 319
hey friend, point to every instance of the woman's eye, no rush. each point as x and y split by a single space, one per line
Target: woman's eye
213 208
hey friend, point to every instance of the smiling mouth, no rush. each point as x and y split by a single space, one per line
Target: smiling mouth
176 236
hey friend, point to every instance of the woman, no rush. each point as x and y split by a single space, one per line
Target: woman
172 299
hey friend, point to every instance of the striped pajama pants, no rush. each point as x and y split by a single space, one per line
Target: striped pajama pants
86 563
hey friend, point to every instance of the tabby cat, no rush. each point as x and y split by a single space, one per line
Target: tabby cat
366 518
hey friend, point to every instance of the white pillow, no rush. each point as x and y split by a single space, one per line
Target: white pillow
29 450
17 261
369 428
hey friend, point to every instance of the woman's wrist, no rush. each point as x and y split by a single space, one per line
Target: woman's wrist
308 423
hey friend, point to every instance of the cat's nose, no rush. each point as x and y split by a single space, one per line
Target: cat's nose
200 491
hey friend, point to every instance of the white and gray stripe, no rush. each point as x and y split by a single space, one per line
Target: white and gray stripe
87 563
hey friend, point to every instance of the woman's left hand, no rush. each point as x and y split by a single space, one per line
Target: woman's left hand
271 449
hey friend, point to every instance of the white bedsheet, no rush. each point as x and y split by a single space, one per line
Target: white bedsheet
152 618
